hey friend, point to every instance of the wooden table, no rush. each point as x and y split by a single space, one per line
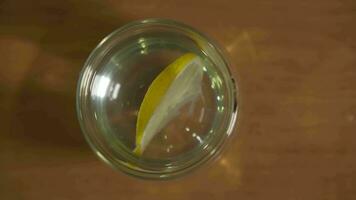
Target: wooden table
295 62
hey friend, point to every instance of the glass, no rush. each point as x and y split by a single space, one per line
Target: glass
115 79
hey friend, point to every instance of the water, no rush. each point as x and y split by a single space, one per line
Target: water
121 83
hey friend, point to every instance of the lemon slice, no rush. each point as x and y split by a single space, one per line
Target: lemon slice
176 85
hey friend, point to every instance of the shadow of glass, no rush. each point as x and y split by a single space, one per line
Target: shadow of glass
43 108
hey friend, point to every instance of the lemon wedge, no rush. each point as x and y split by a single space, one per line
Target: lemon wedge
178 84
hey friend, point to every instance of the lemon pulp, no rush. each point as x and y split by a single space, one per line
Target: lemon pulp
178 84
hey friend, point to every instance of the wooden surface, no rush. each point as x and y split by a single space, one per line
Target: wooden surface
296 65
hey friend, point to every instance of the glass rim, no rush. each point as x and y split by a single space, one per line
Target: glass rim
122 164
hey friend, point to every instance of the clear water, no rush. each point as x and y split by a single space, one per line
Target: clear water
122 82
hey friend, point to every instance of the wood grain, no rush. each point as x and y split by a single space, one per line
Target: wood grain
296 68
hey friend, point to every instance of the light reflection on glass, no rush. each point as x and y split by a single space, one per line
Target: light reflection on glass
169 148
115 91
220 108
231 126
143 51
197 137
201 115
143 45
141 40
100 86
216 82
